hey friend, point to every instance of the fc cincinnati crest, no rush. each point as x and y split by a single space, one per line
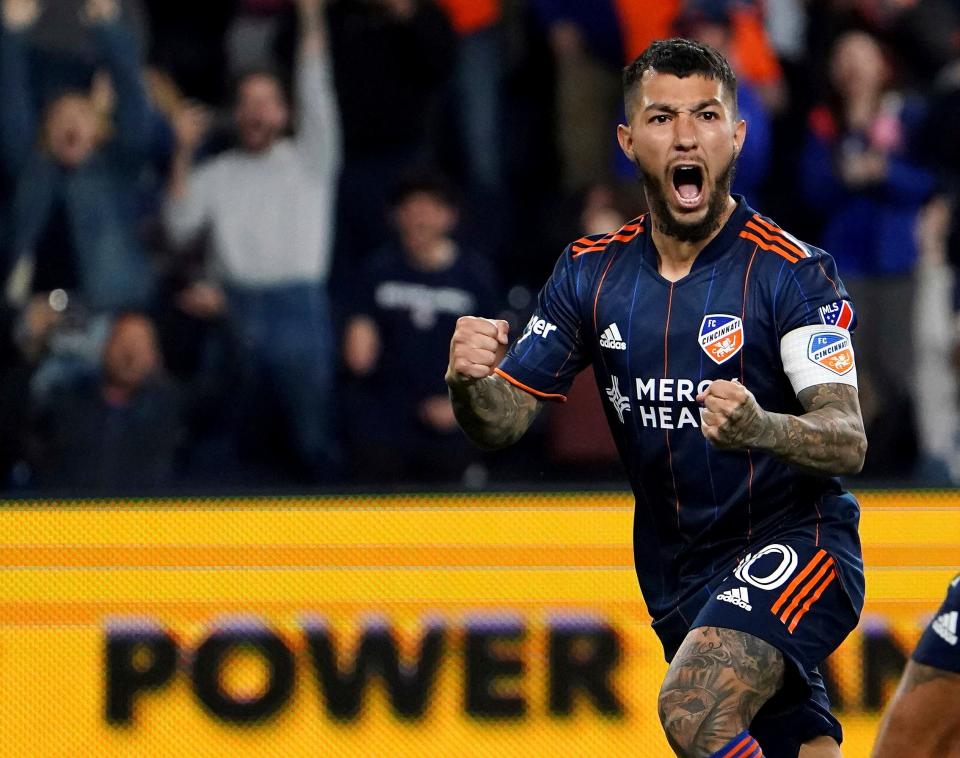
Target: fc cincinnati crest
832 351
721 336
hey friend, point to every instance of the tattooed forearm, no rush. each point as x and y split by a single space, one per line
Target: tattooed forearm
717 682
492 412
828 439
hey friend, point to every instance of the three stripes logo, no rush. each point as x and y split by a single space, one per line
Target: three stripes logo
611 338
945 626
805 590
768 236
737 596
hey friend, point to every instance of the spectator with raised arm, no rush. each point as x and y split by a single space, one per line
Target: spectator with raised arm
268 206
394 59
72 225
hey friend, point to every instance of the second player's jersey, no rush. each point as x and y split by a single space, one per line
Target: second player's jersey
654 344
940 644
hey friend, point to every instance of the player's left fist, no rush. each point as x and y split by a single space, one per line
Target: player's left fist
730 417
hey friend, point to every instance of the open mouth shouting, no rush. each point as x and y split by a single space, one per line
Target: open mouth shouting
687 181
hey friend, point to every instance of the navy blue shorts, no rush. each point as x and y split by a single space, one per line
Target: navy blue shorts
938 647
801 595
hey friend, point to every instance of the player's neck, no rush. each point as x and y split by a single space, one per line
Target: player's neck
677 256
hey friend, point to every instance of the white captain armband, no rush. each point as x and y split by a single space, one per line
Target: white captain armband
818 354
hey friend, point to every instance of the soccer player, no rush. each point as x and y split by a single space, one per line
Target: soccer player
722 348
923 720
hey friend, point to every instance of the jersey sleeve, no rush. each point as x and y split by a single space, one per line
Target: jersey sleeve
939 645
550 352
814 317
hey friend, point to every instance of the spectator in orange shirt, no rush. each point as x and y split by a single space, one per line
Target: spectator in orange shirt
751 54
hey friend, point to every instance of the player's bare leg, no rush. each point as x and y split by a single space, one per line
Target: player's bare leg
715 685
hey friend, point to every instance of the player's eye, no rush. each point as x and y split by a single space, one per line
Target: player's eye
660 118
709 115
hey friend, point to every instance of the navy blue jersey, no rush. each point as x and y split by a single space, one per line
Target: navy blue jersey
938 647
655 344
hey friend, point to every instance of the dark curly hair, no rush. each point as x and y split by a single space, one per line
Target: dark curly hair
682 58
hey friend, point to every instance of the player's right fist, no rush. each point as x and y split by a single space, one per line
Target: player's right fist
477 347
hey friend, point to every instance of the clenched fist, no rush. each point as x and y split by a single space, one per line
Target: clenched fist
477 347
731 417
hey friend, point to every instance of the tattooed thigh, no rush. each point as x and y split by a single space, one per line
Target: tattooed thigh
715 685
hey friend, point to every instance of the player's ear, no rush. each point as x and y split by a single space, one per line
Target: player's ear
739 134
625 138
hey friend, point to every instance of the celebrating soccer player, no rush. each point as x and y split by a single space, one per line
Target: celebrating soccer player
923 720
721 345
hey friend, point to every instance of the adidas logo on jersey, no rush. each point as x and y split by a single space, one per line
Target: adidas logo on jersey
945 626
737 596
611 338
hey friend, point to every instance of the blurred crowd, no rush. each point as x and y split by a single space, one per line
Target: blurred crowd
235 236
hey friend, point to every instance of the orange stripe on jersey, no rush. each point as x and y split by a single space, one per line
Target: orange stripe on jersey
666 364
776 239
525 388
796 582
780 235
603 243
826 566
624 234
835 287
594 249
772 248
743 317
596 298
813 599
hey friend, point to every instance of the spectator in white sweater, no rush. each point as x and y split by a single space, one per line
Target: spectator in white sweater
268 206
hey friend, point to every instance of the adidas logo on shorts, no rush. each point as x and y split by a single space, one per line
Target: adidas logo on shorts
737 596
945 626
611 338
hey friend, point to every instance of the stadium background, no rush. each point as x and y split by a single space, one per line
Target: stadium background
522 568
232 501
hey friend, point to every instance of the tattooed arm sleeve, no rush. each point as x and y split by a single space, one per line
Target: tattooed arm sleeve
828 439
492 412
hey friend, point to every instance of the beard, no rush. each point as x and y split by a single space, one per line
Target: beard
686 231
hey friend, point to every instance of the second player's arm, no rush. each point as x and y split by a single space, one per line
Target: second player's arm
827 439
922 721
491 411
